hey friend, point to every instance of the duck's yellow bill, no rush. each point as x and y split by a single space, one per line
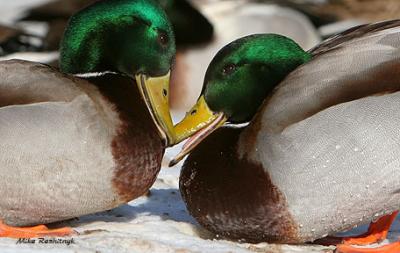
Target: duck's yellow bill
198 123
155 92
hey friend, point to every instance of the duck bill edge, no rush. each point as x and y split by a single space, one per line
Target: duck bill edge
155 92
198 123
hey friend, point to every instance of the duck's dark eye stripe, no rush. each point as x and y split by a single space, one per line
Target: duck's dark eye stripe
229 69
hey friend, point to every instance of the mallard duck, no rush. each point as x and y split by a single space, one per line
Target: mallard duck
190 26
320 154
92 139
232 20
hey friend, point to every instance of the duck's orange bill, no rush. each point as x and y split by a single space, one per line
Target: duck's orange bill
155 92
198 123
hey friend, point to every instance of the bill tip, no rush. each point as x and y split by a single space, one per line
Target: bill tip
172 163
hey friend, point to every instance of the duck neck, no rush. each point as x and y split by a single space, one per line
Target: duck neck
248 141
263 77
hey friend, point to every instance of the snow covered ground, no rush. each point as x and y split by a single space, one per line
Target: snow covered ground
155 223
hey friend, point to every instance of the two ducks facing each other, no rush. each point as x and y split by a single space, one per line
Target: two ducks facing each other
319 156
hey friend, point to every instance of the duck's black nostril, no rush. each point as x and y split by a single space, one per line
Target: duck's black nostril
165 93
193 112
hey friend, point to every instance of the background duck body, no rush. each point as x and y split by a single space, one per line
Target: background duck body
70 147
15 40
56 14
364 10
324 147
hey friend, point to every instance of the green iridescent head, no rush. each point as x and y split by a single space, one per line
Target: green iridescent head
132 37
237 81
243 73
128 36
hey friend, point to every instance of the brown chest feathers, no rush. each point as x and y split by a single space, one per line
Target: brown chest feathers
137 148
234 197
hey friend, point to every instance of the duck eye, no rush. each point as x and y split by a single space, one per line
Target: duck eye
163 38
229 69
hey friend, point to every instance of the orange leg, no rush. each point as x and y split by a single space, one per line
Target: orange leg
390 248
377 232
32 232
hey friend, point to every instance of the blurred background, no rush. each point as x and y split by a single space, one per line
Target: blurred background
32 29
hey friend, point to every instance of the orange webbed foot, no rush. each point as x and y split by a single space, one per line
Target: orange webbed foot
389 248
376 233
33 232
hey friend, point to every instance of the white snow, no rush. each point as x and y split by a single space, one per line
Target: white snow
156 223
